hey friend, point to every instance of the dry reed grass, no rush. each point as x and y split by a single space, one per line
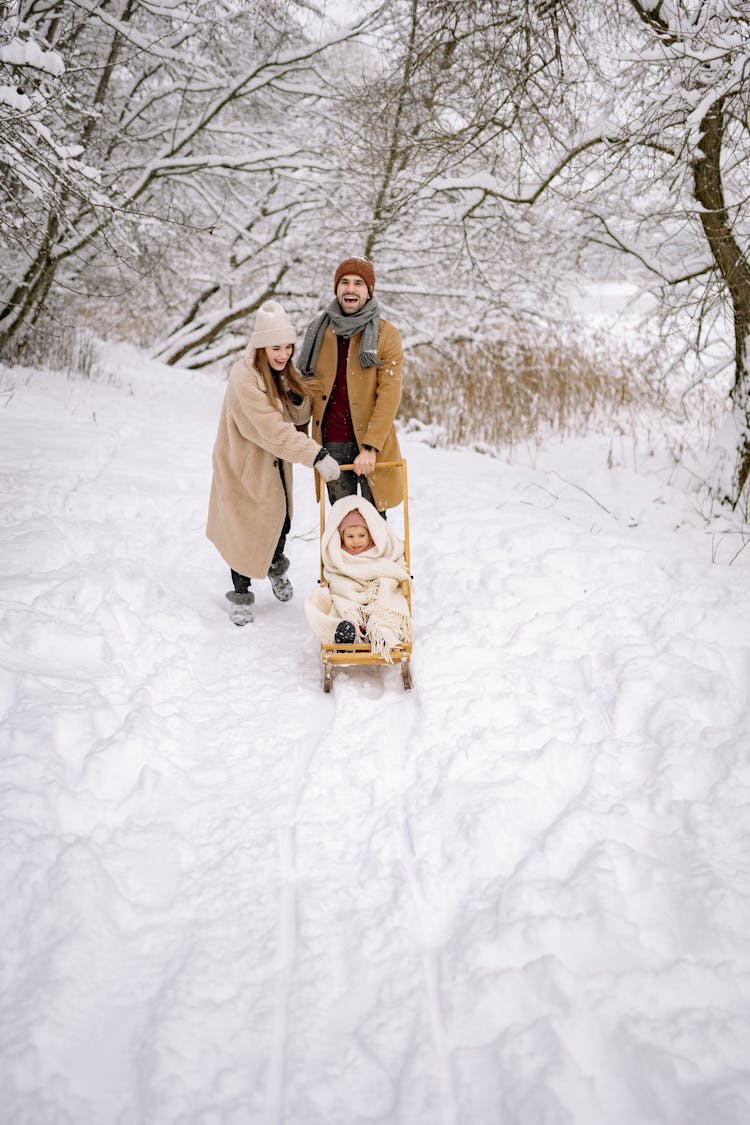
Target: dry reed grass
521 388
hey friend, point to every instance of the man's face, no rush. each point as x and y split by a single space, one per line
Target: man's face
351 293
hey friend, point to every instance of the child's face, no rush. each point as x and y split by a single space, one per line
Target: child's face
355 539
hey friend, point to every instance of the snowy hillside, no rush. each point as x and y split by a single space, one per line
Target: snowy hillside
518 894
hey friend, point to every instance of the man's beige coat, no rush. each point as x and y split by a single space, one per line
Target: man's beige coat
374 399
247 504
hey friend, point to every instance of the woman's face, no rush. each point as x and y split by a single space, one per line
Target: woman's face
356 539
278 356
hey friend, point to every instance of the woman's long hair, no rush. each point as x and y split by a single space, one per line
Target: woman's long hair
298 385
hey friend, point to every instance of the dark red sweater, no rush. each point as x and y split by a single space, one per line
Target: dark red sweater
337 420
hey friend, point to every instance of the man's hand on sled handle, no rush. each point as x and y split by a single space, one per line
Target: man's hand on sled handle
364 462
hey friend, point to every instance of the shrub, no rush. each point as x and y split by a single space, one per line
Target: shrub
59 347
519 388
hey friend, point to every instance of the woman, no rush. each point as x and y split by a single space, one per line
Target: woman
250 507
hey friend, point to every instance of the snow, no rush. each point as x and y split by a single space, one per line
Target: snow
517 894
10 96
28 53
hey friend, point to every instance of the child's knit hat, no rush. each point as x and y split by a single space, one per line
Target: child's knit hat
353 519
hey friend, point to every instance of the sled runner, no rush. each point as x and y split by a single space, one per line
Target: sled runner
332 655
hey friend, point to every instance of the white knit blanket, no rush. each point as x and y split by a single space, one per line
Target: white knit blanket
364 589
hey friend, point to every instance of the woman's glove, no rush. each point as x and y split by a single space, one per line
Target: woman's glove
326 466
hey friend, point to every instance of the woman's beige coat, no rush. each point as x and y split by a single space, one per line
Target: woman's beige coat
247 504
374 399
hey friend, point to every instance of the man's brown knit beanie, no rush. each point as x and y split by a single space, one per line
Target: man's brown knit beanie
362 267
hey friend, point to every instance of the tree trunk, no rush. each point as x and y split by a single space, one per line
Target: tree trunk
735 272
395 157
30 293
24 302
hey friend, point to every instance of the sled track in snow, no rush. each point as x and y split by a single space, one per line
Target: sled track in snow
372 832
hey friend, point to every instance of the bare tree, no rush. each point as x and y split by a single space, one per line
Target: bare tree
622 129
158 113
704 51
392 138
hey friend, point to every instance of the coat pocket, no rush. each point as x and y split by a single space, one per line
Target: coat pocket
260 475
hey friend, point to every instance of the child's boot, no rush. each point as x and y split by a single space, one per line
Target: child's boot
345 634
280 584
240 612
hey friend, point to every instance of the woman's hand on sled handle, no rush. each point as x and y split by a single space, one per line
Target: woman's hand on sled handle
364 462
326 466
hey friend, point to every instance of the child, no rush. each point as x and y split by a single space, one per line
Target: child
363 565
250 507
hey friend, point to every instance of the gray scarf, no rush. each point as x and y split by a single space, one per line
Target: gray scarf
366 321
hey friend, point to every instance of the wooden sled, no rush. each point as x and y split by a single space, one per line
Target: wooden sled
332 655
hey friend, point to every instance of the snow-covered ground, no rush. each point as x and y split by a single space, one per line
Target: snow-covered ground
516 895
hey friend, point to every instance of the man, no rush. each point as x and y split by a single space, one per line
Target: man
357 360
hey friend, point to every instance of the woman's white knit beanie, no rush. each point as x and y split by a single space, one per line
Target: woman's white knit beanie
272 326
